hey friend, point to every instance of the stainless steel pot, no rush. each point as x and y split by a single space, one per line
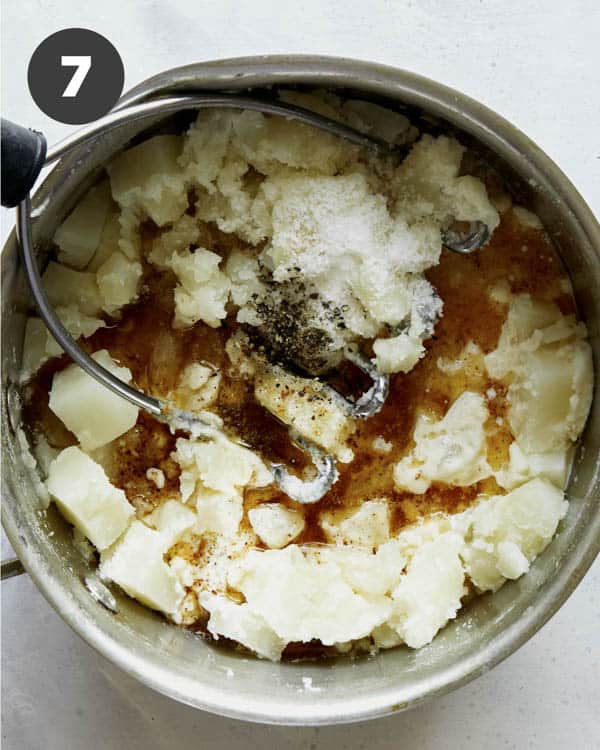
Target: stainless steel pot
177 663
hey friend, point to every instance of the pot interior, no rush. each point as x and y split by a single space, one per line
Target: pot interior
179 663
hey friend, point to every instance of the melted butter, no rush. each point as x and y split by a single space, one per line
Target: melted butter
144 340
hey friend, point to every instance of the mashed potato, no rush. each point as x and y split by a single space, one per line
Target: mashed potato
228 269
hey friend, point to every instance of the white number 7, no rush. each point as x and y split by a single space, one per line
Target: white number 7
83 63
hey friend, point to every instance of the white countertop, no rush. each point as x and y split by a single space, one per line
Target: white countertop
536 63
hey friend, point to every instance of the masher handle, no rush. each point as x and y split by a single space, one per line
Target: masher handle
23 156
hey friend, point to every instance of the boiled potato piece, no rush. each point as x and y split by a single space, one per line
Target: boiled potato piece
65 287
219 512
87 499
275 524
506 532
152 582
136 561
429 594
118 281
237 621
198 387
523 466
365 526
452 450
109 242
202 291
303 596
171 519
217 465
88 409
39 345
148 177
398 353
550 401
79 234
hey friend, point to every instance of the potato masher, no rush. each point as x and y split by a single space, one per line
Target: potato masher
25 152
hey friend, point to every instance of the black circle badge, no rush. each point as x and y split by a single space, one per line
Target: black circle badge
75 76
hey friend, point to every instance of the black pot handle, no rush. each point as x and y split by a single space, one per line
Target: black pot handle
23 156
12 567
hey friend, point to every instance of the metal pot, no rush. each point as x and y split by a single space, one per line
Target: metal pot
176 662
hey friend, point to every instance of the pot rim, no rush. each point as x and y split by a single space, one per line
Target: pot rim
507 141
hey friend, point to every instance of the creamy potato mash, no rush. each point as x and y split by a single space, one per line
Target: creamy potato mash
228 269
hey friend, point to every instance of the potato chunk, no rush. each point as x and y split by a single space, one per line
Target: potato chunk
198 387
550 403
275 524
549 364
218 465
429 594
452 450
94 414
39 345
202 291
365 526
136 562
147 178
237 621
66 287
506 532
79 235
118 281
87 499
302 597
